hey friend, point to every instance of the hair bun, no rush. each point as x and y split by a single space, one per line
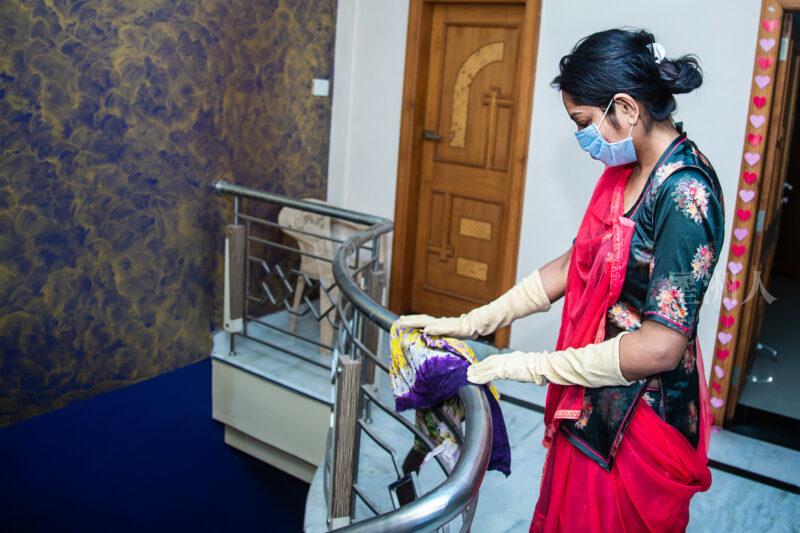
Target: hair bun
682 75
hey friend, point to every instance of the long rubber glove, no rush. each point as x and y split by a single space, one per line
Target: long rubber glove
594 365
524 298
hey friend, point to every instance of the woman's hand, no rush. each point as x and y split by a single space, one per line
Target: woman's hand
448 326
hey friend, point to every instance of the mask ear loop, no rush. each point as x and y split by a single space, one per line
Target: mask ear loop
630 132
604 114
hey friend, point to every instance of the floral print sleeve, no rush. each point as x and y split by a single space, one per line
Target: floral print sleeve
688 232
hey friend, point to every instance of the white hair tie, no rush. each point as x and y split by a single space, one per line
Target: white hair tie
659 53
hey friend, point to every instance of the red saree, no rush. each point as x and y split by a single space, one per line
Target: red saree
655 470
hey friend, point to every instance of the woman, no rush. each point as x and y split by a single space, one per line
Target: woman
627 360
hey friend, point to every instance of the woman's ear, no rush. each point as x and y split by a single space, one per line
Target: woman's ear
627 109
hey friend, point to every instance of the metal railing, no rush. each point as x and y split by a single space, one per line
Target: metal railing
357 318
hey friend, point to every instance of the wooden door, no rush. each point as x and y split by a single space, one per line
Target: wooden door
770 207
462 234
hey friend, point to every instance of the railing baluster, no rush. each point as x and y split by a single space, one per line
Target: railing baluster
233 311
344 440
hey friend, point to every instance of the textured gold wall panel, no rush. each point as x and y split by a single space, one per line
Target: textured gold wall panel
115 117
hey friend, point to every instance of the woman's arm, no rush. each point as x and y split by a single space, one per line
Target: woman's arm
531 295
652 349
554 276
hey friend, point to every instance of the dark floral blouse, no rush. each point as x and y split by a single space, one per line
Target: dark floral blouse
675 246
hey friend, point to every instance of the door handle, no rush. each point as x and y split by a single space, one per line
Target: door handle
430 135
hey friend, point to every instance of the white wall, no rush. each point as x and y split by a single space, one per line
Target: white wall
368 81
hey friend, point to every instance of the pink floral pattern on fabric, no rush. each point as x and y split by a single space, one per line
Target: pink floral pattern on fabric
670 299
664 171
702 261
586 412
689 358
691 198
692 417
624 316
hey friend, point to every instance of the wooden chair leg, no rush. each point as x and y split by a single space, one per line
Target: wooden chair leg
298 295
326 330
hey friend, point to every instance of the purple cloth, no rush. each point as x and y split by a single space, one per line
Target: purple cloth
439 378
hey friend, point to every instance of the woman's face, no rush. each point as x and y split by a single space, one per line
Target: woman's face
584 115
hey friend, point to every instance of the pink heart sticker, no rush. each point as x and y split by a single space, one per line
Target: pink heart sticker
744 214
764 62
757 120
738 250
754 139
735 267
750 177
770 24
767 44
740 233
752 158
733 286
717 387
719 371
747 195
759 101
729 303
727 321
716 403
762 81
724 337
723 354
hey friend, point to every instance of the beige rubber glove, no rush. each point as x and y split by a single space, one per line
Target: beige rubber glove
524 298
594 365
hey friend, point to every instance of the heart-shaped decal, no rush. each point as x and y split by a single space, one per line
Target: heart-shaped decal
744 214
717 387
767 44
750 177
770 24
738 250
723 354
754 139
764 62
757 120
762 81
735 267
716 403
724 337
740 233
727 321
729 303
752 158
759 101
747 195
718 370
733 286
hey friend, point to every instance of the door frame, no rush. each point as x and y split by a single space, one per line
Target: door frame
735 330
410 152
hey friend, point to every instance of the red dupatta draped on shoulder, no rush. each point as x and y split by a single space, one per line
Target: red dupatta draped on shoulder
596 272
655 470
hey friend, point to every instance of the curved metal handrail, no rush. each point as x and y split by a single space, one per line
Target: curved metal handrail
460 489
446 501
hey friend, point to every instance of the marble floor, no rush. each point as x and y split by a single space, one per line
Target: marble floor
733 503
773 376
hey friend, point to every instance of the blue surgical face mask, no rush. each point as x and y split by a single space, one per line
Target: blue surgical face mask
612 154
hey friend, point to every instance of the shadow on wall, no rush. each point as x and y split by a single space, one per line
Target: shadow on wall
115 118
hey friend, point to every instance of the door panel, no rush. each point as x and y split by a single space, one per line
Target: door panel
465 180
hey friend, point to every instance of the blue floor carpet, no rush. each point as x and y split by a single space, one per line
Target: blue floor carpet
144 458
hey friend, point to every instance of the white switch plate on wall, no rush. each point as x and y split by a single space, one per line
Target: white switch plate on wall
320 87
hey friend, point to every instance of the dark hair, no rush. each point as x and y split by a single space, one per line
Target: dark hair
619 61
